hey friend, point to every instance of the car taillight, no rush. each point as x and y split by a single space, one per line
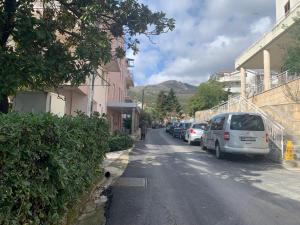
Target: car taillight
267 138
226 136
192 131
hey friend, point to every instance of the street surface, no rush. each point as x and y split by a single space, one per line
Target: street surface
168 182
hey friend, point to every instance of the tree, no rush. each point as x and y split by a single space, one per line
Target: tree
161 105
209 94
291 61
173 106
67 40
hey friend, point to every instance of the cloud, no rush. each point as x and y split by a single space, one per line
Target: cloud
261 26
209 35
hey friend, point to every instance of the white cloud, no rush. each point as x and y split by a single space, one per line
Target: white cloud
209 35
261 26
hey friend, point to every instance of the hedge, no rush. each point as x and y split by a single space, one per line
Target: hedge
120 142
46 163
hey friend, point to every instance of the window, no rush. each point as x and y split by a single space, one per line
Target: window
187 125
287 7
217 123
201 126
247 122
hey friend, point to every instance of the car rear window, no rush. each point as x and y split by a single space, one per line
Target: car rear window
201 126
247 122
187 125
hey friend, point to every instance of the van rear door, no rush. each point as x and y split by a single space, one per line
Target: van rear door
247 131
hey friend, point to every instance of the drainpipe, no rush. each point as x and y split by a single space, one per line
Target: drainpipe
91 84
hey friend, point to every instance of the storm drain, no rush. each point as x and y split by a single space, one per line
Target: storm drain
131 182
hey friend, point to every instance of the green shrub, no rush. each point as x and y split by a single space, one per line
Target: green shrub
118 142
46 163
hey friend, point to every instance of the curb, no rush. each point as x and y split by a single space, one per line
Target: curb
291 165
95 209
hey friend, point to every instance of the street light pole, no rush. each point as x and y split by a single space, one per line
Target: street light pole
143 96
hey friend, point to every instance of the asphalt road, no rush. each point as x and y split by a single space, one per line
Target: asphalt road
168 182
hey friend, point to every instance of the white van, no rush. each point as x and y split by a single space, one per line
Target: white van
241 133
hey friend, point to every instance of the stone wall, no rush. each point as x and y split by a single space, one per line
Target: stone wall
203 115
284 94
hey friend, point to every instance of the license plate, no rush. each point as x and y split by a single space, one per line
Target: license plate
248 139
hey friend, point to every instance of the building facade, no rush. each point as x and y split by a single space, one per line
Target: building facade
104 92
267 53
232 80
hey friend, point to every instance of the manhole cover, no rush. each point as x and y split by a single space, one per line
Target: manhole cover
131 182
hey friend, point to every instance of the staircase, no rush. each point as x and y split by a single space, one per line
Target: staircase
276 131
282 123
288 116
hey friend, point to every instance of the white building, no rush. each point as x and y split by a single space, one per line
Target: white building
267 53
232 80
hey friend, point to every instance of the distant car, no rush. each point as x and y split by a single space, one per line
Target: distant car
180 130
241 133
195 132
155 125
168 126
172 127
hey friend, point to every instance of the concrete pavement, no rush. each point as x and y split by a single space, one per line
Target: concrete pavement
168 182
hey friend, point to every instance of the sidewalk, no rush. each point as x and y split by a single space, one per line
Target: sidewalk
93 214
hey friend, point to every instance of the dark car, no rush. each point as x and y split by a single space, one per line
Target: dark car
172 127
168 126
180 130
184 130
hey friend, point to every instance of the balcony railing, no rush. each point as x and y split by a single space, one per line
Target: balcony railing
276 81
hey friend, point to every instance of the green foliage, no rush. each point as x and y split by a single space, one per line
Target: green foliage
146 117
161 105
209 95
62 41
46 163
118 142
292 58
172 104
167 105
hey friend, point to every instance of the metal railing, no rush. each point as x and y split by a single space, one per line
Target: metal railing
276 131
276 81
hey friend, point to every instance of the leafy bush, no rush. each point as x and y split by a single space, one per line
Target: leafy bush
46 163
118 142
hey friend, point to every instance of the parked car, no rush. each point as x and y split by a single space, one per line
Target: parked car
172 127
168 126
195 132
179 131
241 133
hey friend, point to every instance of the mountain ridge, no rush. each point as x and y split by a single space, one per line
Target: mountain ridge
182 90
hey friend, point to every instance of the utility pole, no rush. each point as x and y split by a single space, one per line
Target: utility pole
143 96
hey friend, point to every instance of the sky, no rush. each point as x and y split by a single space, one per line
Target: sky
209 36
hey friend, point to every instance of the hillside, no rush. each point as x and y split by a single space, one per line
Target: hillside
183 92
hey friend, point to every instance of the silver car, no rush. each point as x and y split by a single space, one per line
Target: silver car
242 133
195 132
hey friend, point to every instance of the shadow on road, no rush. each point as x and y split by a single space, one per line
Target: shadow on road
186 177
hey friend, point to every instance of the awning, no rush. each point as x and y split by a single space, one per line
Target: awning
124 107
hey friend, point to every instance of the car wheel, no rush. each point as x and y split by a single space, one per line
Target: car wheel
189 141
202 145
219 153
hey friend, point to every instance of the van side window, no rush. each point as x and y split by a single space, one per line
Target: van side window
218 123
214 124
